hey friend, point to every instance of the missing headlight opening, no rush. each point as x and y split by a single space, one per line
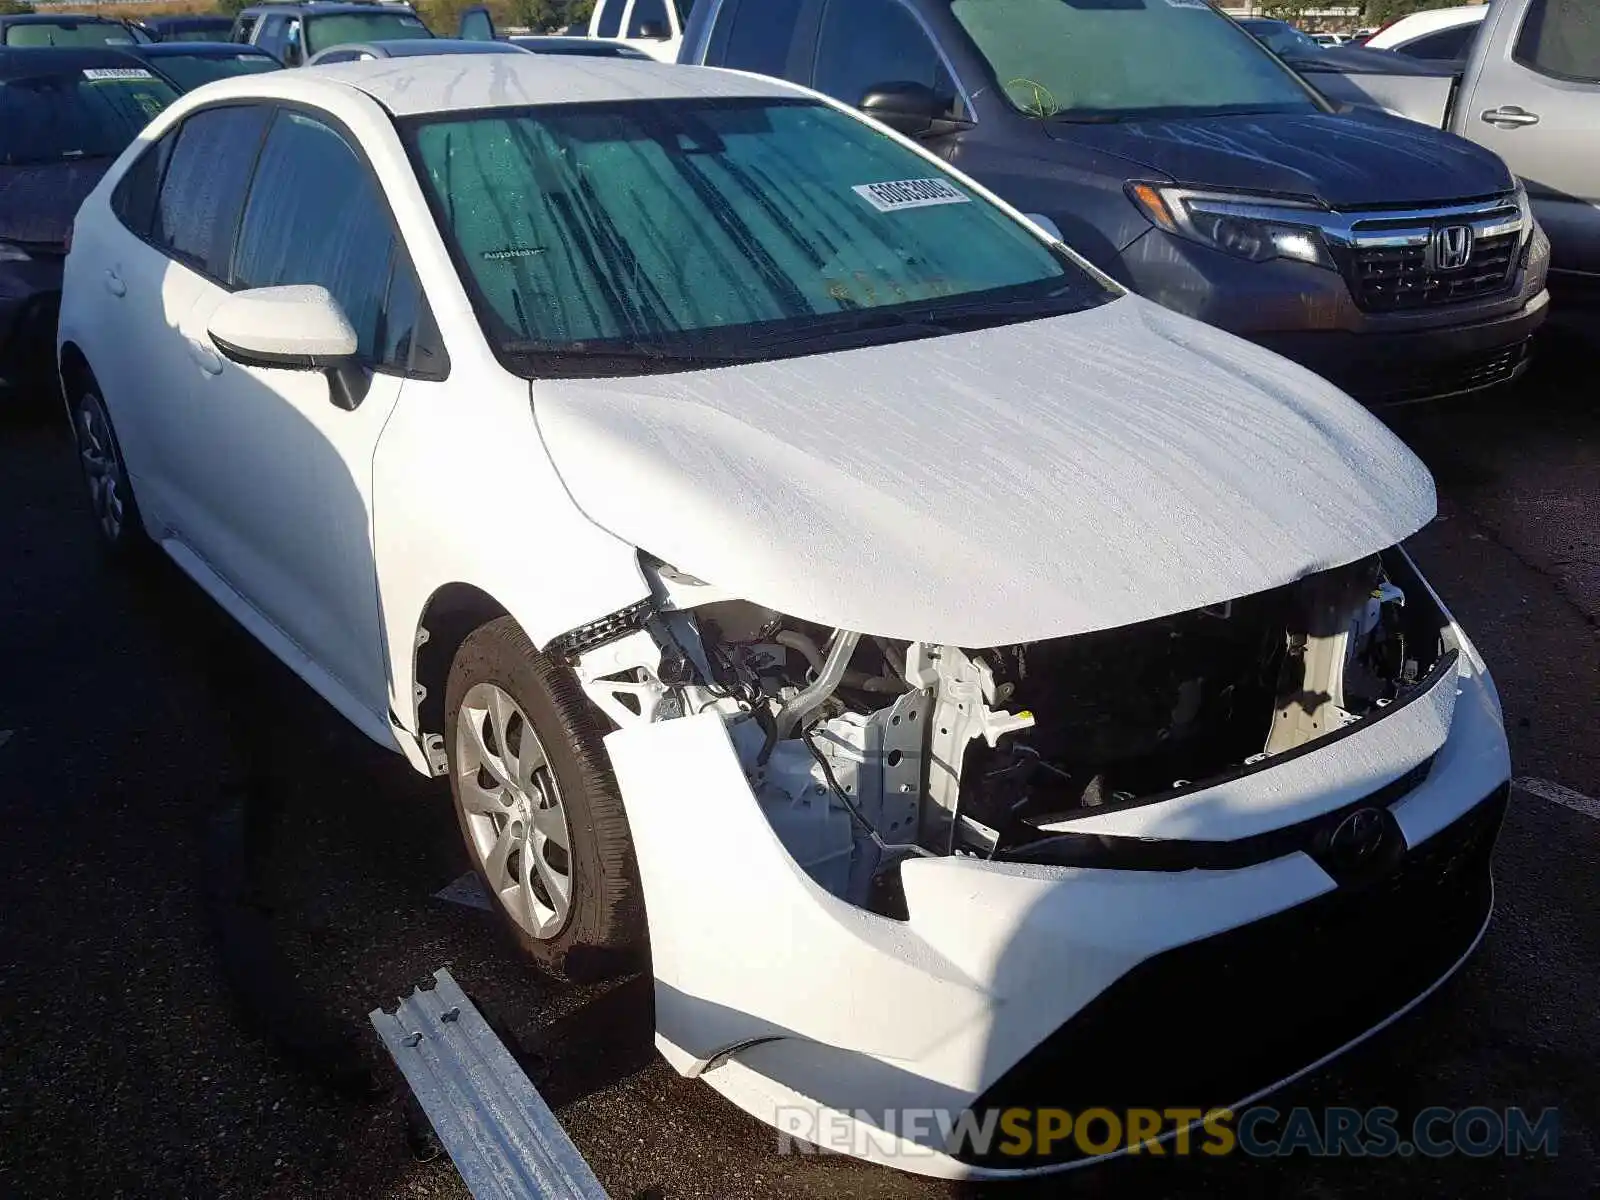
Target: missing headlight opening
863 750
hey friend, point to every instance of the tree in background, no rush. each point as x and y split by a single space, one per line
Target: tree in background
14 8
444 16
1292 11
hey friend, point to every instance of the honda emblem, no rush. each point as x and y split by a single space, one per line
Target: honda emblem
1452 247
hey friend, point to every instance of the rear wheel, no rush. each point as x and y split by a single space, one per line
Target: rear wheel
105 475
538 806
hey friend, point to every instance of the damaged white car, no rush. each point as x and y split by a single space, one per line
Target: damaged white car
967 686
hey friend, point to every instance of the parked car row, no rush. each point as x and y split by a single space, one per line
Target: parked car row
812 575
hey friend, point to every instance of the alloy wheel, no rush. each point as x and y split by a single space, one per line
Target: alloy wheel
517 824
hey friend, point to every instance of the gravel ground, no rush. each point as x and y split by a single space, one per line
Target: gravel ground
144 740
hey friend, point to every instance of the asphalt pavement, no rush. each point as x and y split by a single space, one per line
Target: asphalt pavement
207 880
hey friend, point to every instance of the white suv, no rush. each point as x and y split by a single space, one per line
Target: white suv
942 663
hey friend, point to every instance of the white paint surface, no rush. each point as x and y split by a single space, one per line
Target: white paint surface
1031 481
1563 796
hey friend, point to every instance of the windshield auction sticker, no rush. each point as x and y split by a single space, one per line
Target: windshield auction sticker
117 73
911 193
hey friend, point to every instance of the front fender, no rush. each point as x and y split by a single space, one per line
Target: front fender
463 492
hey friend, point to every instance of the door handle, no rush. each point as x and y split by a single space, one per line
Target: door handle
114 283
207 359
1510 117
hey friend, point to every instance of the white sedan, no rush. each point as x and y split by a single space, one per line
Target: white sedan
967 685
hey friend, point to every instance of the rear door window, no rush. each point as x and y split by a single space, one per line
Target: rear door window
203 187
1444 46
1561 38
755 35
648 19
273 28
864 43
316 215
610 18
134 200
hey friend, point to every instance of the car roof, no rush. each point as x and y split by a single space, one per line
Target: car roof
33 61
455 83
1430 20
198 49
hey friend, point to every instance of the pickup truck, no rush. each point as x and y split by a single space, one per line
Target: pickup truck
653 26
1166 145
1530 91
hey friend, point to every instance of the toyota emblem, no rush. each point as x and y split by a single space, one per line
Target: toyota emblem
1357 838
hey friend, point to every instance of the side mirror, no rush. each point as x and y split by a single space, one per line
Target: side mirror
913 109
297 328
653 31
477 25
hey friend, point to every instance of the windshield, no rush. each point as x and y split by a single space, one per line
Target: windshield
1282 38
337 29
1114 59
93 113
189 71
630 237
67 32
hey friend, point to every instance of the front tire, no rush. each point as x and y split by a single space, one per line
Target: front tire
539 807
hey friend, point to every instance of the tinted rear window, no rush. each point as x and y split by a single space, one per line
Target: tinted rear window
755 35
79 114
1561 38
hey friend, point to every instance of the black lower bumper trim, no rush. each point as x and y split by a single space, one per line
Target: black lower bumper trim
1205 1025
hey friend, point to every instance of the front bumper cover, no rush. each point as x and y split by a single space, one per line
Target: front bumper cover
785 998
1307 314
1269 1000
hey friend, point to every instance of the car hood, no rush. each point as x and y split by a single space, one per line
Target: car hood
39 202
1342 159
1031 481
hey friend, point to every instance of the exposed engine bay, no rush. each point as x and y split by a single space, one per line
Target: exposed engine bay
863 750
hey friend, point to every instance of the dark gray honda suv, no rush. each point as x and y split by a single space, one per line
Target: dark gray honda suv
1185 160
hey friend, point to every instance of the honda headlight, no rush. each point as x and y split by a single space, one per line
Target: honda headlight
1525 207
1258 228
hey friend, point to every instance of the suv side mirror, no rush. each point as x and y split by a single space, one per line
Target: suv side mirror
913 109
653 31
